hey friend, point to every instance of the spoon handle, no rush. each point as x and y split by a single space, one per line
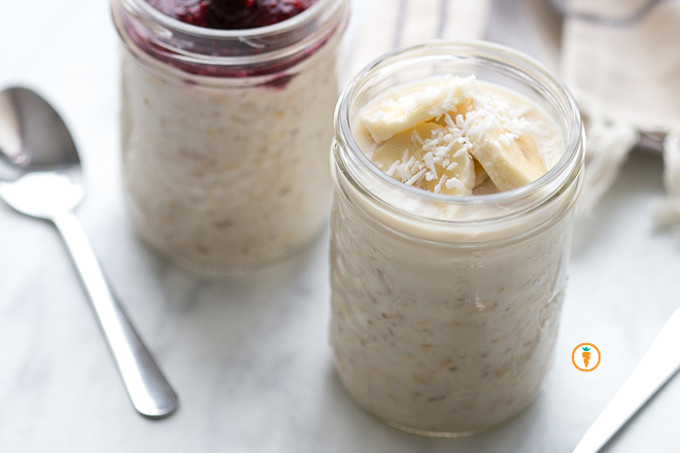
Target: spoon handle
149 391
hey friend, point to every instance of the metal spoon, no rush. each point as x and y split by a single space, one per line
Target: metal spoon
41 176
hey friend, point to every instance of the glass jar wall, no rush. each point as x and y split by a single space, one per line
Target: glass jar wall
445 308
225 133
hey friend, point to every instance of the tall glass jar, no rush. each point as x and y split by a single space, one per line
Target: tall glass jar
445 308
225 134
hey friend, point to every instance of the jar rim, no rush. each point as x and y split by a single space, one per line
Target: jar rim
527 66
293 22
197 45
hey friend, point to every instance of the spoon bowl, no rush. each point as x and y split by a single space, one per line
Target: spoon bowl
40 171
41 176
43 194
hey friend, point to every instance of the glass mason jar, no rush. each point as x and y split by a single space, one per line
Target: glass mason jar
445 308
225 134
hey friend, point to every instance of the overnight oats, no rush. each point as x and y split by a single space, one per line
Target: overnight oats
456 168
226 121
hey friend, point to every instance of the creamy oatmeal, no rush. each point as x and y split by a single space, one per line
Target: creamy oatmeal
445 310
219 176
226 166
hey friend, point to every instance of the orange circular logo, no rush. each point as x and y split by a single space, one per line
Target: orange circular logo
586 357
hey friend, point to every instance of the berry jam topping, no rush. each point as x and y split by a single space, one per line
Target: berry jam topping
231 14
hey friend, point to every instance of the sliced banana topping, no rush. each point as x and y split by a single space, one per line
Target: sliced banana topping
422 157
450 137
481 177
510 163
406 107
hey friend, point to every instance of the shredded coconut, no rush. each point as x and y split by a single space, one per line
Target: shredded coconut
469 118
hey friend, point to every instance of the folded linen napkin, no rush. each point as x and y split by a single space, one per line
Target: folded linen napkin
379 26
620 59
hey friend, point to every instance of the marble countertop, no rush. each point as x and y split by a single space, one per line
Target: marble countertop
249 355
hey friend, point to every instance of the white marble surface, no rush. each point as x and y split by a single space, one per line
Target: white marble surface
249 355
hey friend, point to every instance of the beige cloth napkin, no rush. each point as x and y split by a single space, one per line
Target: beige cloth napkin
379 26
621 60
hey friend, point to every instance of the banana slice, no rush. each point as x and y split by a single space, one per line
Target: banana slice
402 147
459 180
509 163
418 157
480 175
529 148
409 106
